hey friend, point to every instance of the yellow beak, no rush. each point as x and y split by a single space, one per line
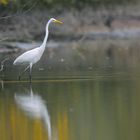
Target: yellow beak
58 21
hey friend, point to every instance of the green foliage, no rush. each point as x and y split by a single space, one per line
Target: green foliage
62 3
4 2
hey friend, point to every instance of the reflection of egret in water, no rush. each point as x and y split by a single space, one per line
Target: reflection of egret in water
34 106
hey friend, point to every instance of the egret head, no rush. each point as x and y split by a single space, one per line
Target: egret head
52 20
57 21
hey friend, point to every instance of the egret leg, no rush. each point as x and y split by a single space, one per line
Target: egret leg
30 72
19 77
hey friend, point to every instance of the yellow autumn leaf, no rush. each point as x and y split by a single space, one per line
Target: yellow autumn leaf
4 2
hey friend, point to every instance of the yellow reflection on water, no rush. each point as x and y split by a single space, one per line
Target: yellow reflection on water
104 109
17 126
62 125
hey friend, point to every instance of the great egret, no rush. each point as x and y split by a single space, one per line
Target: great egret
33 56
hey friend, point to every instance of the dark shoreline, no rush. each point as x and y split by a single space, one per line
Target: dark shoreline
120 22
31 26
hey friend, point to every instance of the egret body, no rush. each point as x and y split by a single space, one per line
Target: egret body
31 57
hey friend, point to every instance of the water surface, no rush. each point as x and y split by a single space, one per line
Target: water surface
85 97
104 106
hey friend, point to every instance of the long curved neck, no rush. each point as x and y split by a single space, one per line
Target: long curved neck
42 47
46 35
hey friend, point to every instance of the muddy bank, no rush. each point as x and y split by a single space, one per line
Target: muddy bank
123 39
26 31
102 22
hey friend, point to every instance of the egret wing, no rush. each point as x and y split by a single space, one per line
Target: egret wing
27 57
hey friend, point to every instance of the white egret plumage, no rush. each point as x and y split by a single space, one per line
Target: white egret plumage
33 56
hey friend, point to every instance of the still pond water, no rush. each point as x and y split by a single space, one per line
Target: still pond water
101 104
100 107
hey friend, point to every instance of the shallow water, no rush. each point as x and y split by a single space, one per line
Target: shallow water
89 96
83 106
